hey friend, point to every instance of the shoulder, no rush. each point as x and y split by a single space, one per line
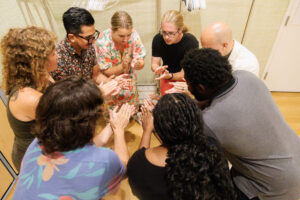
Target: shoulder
157 38
243 51
136 157
190 39
104 154
104 38
26 96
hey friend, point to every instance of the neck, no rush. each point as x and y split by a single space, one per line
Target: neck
230 47
76 47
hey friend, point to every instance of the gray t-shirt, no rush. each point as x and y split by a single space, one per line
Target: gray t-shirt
263 149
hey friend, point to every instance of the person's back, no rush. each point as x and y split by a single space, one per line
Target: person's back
263 149
65 161
187 165
241 58
28 57
85 173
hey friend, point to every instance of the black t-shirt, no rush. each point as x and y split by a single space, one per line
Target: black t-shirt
146 180
174 53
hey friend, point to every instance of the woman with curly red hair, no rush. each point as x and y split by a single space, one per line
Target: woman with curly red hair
28 55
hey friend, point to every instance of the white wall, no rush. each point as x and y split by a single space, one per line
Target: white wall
262 29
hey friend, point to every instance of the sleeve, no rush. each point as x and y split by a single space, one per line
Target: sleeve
139 51
156 46
116 172
59 73
103 54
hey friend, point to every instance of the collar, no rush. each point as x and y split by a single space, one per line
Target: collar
225 89
234 52
70 49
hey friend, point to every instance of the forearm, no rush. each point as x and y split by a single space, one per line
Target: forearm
102 138
100 78
121 147
154 66
114 70
178 76
145 140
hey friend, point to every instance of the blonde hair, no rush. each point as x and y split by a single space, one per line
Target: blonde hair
121 19
176 18
24 54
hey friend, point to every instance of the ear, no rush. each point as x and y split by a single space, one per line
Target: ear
180 30
71 37
225 45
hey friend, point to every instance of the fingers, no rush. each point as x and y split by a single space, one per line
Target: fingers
160 70
154 97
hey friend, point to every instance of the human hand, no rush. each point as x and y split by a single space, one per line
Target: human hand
154 97
119 120
160 70
126 63
178 87
165 75
124 81
147 120
109 89
139 64
148 104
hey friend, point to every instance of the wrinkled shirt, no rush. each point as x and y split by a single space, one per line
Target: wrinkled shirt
69 63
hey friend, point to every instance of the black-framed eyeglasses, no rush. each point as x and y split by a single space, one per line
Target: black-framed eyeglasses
90 38
169 34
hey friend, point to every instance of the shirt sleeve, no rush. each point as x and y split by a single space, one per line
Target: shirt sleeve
139 51
156 46
116 173
103 54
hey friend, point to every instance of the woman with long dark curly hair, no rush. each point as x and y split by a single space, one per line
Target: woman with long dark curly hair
187 165
28 55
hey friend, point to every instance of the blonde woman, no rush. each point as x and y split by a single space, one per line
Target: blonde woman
28 55
119 50
170 46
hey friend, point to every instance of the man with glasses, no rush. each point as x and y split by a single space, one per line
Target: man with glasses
76 55
170 45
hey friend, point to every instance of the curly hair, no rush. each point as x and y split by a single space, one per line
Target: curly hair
196 166
24 54
207 67
67 113
76 17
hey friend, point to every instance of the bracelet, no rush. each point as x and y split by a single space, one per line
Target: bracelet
171 76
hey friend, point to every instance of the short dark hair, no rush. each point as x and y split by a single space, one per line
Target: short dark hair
207 67
196 166
76 17
67 113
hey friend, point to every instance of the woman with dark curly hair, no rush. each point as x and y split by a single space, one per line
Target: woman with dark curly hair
28 55
63 162
188 164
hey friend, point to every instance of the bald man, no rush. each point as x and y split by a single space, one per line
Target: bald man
218 36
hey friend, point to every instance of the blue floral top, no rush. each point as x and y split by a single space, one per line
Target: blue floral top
87 173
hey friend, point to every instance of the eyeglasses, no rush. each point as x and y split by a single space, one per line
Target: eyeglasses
91 37
169 34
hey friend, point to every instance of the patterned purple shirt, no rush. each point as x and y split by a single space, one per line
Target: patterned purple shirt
70 63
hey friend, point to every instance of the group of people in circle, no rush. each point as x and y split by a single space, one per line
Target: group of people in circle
58 92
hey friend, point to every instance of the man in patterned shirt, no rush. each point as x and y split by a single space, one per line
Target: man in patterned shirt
76 55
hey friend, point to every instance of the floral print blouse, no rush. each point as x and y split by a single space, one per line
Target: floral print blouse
70 63
108 55
87 173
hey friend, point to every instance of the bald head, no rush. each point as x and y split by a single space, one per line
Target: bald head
217 36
